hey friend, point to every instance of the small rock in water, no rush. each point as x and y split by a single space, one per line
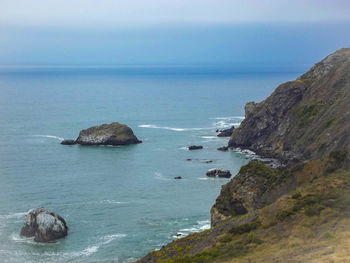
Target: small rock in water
68 142
226 132
195 147
177 177
44 225
189 159
223 148
215 172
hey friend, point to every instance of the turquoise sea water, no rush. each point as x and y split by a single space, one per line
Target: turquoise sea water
119 202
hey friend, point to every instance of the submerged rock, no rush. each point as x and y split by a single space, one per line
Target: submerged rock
177 177
44 225
215 172
223 148
226 132
68 142
195 147
108 134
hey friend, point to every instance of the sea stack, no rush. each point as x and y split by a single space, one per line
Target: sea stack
44 225
108 134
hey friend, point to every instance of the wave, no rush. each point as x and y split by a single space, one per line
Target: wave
103 241
244 151
198 227
211 137
49 136
152 126
229 118
68 255
107 201
225 124
13 215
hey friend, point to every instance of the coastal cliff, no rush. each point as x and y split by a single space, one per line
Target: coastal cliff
303 119
299 212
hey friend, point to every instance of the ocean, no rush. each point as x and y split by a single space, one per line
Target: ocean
119 202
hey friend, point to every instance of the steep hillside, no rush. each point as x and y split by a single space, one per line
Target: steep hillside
299 213
303 119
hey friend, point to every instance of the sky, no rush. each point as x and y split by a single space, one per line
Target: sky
113 32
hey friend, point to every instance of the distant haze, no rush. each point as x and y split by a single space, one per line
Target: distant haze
170 32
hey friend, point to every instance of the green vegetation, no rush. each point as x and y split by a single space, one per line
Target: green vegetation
308 112
245 228
274 176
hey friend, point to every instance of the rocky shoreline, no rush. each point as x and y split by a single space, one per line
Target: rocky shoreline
302 172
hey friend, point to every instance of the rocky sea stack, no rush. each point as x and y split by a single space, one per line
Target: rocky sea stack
44 225
108 134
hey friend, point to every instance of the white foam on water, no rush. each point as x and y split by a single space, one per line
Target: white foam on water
13 215
49 136
211 137
107 201
229 118
152 126
198 227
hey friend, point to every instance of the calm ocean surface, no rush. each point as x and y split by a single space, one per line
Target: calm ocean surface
119 202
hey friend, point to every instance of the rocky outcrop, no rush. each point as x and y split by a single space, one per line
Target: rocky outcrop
223 148
226 132
195 147
215 172
252 188
68 142
108 134
249 108
44 225
303 119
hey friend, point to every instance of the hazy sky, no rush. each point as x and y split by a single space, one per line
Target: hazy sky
137 13
170 31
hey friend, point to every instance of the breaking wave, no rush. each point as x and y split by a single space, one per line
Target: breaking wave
49 136
152 126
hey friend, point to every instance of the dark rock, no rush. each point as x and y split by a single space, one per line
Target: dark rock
189 159
226 132
68 142
223 148
195 147
218 173
108 134
44 225
177 177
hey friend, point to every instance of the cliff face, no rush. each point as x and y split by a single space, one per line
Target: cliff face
303 119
